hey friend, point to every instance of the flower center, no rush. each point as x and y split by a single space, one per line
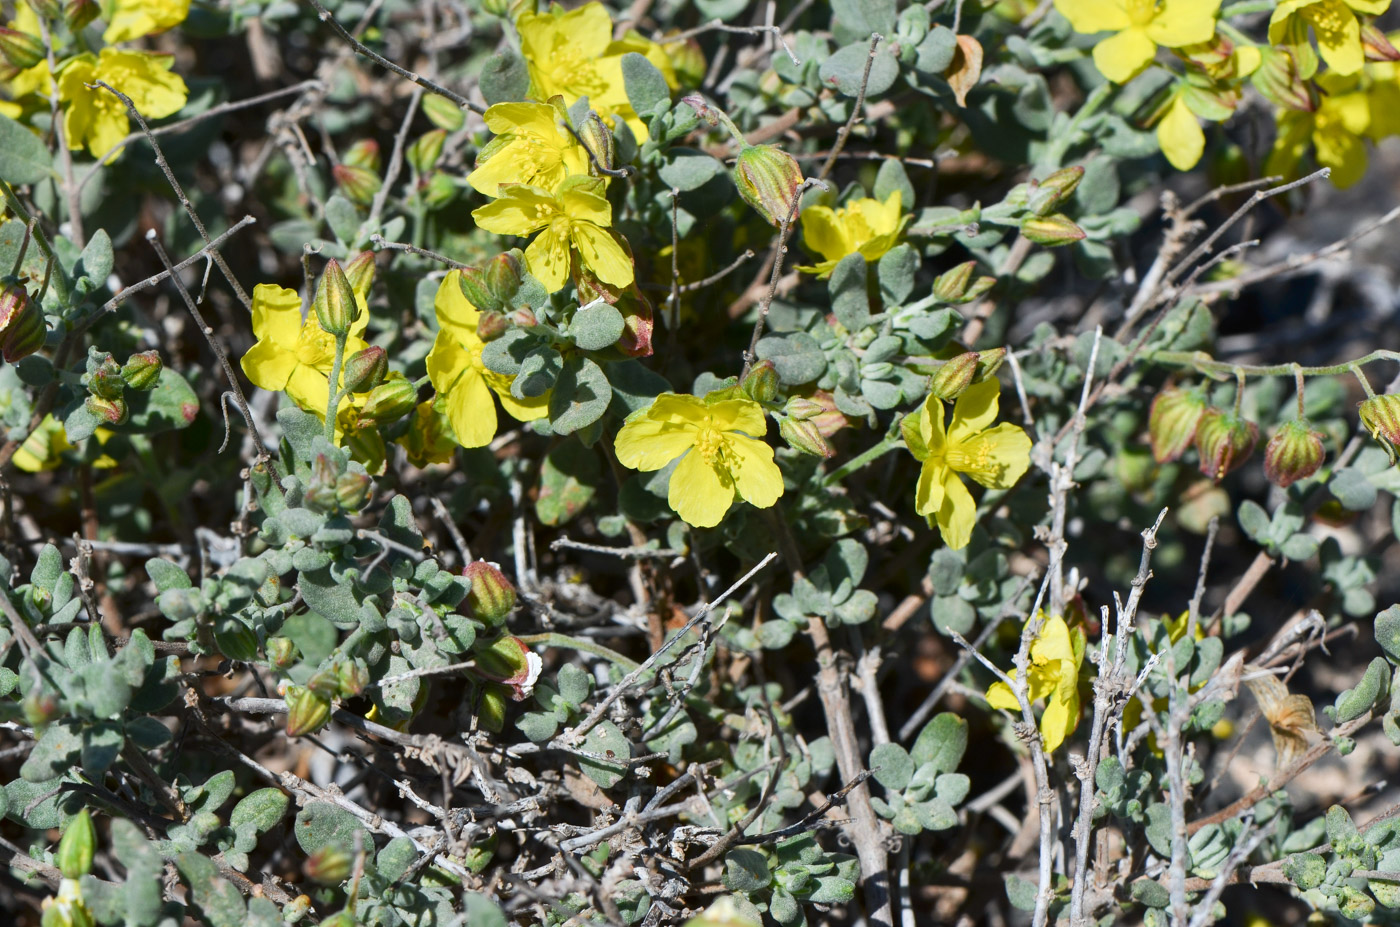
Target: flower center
315 347
569 70
709 443
559 226
535 157
1141 12
973 457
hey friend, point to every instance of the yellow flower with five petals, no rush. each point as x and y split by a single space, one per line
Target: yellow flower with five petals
721 453
996 457
1139 26
96 118
1056 655
294 354
569 54
1336 131
132 19
462 380
1334 26
577 217
530 147
865 225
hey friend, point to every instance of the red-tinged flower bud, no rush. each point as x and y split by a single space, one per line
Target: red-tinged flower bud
524 317
954 377
1381 416
111 411
1295 452
364 153
761 382
476 287
443 113
804 435
802 408
491 325
351 678
352 491
1224 441
1171 425
20 49
329 865
508 661
951 285
440 190
366 369
1376 45
492 597
1051 231
1049 194
423 154
307 711
504 274
388 402
39 709
281 652
47 9
235 639
335 305
1278 79
77 846
78 13
105 378
599 140
22 327
358 184
988 363
360 273
142 370
769 179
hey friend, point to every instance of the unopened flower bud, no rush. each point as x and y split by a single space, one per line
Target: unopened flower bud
235 639
351 677
440 190
950 285
1171 425
22 327
761 382
1375 43
281 652
954 377
78 13
496 7
47 9
1295 452
1049 194
335 305
1381 416
804 435
38 709
330 865
423 154
1278 79
492 597
20 49
1052 230
443 113
366 369
105 378
476 287
768 179
388 402
504 274
1224 441
360 273
142 370
76 848
352 491
524 317
598 139
988 363
802 408
364 153
358 184
111 411
491 325
307 711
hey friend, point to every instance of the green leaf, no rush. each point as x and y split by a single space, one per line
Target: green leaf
1387 631
897 270
504 78
1305 870
941 743
321 824
568 479
892 766
1151 894
687 169
746 871
1373 687
538 373
55 753
845 69
1020 892
856 19
646 86
260 810
607 740
580 397
1159 829
891 178
796 356
849 300
24 159
1352 489
97 259
597 326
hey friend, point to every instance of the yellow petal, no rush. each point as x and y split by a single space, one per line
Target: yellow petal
586 204
1338 35
601 254
269 366
751 466
743 415
1122 57
276 314
678 407
1184 22
447 361
132 19
1090 16
1342 151
1003 454
824 234
957 515
454 309
932 429
522 410
520 210
928 494
999 695
548 257
471 410
646 443
310 389
1179 133
699 493
975 410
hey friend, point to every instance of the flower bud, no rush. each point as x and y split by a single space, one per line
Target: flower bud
491 325
492 597
141 371
1051 231
68 908
423 154
804 435
235 639
111 411
950 285
955 376
443 113
1376 45
1224 441
335 305
281 652
76 848
504 274
802 408
307 711
352 491
78 13
364 153
20 49
105 378
1381 416
761 382
330 865
365 369
1278 79
524 317
1171 425
988 363
476 287
360 273
507 660
598 139
1295 452
388 402
358 184
47 9
1049 194
496 7
768 179
351 677
440 190
22 326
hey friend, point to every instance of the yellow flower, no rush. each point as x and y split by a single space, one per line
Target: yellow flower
995 457
576 217
1055 657
429 436
1334 25
1335 131
530 148
460 377
570 54
720 449
1140 26
43 448
295 355
1178 131
131 19
865 225
97 119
